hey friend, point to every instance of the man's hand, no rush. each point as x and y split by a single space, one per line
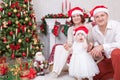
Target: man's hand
97 51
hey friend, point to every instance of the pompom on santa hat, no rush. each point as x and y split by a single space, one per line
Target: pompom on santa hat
81 29
75 10
99 8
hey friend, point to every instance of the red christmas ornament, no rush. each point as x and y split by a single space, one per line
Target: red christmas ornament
9 22
18 15
9 13
13 56
27 39
30 23
11 33
25 1
24 54
4 40
1 9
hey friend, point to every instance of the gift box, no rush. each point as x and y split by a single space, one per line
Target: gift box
3 66
24 75
27 74
22 64
2 60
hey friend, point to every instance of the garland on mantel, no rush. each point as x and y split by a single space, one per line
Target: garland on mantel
43 26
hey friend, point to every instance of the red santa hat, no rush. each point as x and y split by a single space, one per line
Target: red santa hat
81 29
76 10
99 8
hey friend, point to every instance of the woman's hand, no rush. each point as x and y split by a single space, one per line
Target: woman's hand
97 51
67 46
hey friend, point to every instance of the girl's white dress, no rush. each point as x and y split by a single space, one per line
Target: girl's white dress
82 64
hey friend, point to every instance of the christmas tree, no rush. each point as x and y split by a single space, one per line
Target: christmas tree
18 35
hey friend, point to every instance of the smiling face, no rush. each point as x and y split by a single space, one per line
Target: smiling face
77 19
101 18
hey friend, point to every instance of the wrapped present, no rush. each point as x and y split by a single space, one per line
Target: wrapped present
24 75
22 64
2 60
27 74
3 66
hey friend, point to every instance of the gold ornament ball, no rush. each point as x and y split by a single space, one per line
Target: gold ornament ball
24 6
19 40
34 27
37 47
15 10
28 30
17 22
7 46
26 19
6 5
33 53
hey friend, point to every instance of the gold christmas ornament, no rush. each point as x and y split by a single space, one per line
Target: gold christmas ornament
28 30
26 19
6 5
35 41
5 24
17 22
34 26
7 46
24 6
20 40
15 10
37 48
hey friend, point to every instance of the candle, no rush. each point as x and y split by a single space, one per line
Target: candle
16 32
69 5
62 7
27 52
10 2
25 29
28 5
3 11
66 5
21 13
13 36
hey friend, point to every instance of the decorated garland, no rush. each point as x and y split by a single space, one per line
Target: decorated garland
43 26
57 25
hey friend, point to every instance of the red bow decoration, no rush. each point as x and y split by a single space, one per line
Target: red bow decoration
3 69
16 4
15 47
32 73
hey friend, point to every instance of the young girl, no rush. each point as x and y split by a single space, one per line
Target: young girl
82 66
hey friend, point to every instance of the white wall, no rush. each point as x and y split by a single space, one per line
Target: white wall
44 7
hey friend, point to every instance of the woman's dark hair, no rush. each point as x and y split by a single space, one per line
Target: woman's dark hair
82 19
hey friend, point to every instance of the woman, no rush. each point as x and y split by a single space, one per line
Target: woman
61 51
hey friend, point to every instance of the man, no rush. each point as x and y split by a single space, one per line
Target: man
106 36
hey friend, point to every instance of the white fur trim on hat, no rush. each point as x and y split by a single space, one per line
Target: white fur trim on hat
77 12
100 10
81 31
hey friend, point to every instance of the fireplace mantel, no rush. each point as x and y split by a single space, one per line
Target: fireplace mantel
52 39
